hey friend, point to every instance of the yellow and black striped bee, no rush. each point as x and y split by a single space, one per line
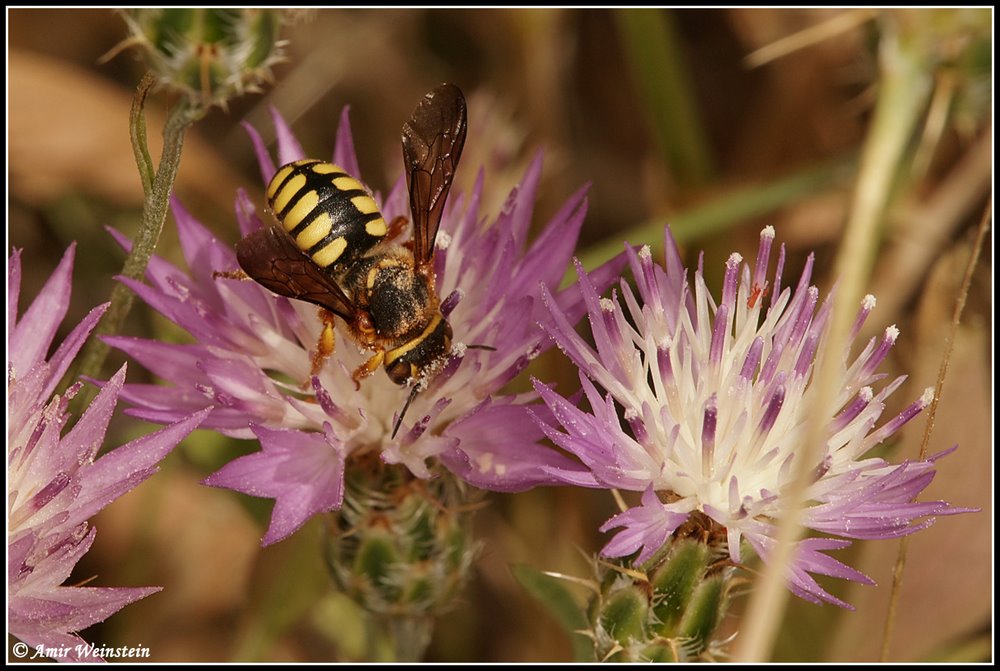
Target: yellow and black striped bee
331 247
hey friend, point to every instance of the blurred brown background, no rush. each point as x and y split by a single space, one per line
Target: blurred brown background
569 82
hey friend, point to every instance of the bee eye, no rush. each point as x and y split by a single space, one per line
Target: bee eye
399 372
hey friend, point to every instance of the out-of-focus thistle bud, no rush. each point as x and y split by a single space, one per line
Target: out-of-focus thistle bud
956 44
207 55
944 35
402 548
668 612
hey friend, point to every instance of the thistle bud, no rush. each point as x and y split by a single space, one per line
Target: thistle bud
207 55
402 548
669 613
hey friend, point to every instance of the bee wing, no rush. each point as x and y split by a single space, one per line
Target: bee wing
271 258
432 144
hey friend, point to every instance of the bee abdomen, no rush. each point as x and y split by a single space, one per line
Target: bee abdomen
328 213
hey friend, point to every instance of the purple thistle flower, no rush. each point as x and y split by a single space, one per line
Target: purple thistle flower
55 482
253 351
714 400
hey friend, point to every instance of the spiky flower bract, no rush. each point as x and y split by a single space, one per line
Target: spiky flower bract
208 55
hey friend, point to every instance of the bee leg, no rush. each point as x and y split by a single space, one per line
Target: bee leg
230 275
368 367
396 228
325 345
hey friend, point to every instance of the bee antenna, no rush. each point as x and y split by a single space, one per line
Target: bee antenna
402 413
486 347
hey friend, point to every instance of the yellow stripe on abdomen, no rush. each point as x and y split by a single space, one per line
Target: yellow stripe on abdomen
330 253
276 181
376 228
347 183
303 207
317 229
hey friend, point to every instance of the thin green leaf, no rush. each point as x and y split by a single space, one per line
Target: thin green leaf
720 214
552 593
650 44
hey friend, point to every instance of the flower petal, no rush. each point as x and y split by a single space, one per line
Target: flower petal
30 337
499 449
302 471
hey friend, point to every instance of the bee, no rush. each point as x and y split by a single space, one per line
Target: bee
331 247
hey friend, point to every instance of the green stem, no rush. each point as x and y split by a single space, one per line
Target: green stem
409 635
137 133
154 214
904 87
650 43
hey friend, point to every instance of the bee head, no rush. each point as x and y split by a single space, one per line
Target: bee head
413 360
409 363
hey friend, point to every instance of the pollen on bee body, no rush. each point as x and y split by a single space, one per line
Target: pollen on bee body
443 240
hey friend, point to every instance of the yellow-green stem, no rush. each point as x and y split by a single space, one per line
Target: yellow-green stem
903 93
137 133
410 635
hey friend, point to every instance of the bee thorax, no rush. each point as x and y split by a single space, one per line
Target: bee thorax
400 302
